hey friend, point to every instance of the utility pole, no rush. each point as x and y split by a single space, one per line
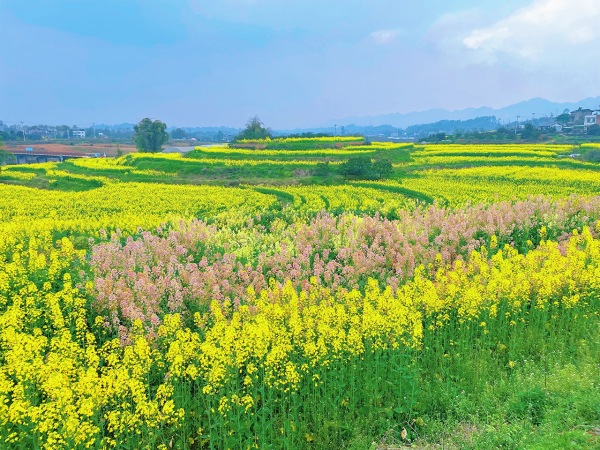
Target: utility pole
517 124
23 131
532 118
335 132
94 129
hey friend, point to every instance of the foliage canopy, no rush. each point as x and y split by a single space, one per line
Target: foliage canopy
563 118
254 130
179 133
4 155
594 130
149 136
363 167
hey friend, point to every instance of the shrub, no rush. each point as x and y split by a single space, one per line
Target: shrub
254 130
593 156
322 169
362 167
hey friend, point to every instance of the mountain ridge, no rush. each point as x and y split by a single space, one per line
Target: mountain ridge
540 106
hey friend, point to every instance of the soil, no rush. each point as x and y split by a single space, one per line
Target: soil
65 149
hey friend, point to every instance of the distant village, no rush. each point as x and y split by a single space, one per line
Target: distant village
46 132
578 121
581 121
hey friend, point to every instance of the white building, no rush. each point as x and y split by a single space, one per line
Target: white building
78 134
592 119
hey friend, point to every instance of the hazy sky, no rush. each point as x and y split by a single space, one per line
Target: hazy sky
295 63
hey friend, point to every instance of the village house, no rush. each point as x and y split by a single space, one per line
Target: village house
578 116
592 119
581 119
549 124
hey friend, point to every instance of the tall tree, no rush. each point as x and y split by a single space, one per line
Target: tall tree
254 130
149 136
564 118
179 133
5 157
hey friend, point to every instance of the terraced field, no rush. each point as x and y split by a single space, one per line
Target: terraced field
476 172
255 297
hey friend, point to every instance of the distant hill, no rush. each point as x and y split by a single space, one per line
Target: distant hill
485 123
120 126
541 107
412 123
200 130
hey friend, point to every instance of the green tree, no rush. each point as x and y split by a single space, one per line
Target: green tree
357 166
594 130
254 130
362 167
149 136
503 132
529 132
5 157
63 131
381 169
322 169
564 118
592 156
179 133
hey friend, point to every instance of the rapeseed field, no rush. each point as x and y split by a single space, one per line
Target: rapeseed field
149 302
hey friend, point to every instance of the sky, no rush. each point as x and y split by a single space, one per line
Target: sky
294 63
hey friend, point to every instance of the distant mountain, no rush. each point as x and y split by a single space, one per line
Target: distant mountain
120 126
485 123
541 107
347 130
193 130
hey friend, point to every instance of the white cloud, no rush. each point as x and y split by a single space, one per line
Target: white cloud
539 32
384 37
547 49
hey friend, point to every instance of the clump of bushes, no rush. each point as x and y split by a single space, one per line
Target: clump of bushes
322 169
364 168
254 130
592 156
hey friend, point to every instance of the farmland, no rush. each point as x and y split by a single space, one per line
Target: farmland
255 297
71 148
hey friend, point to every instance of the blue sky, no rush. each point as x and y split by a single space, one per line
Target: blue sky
295 63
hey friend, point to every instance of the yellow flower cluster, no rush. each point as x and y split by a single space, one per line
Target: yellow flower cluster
66 381
283 336
125 206
487 184
592 145
228 162
345 197
498 149
58 387
117 165
227 152
12 174
312 139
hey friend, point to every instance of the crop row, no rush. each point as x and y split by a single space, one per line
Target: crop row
213 336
